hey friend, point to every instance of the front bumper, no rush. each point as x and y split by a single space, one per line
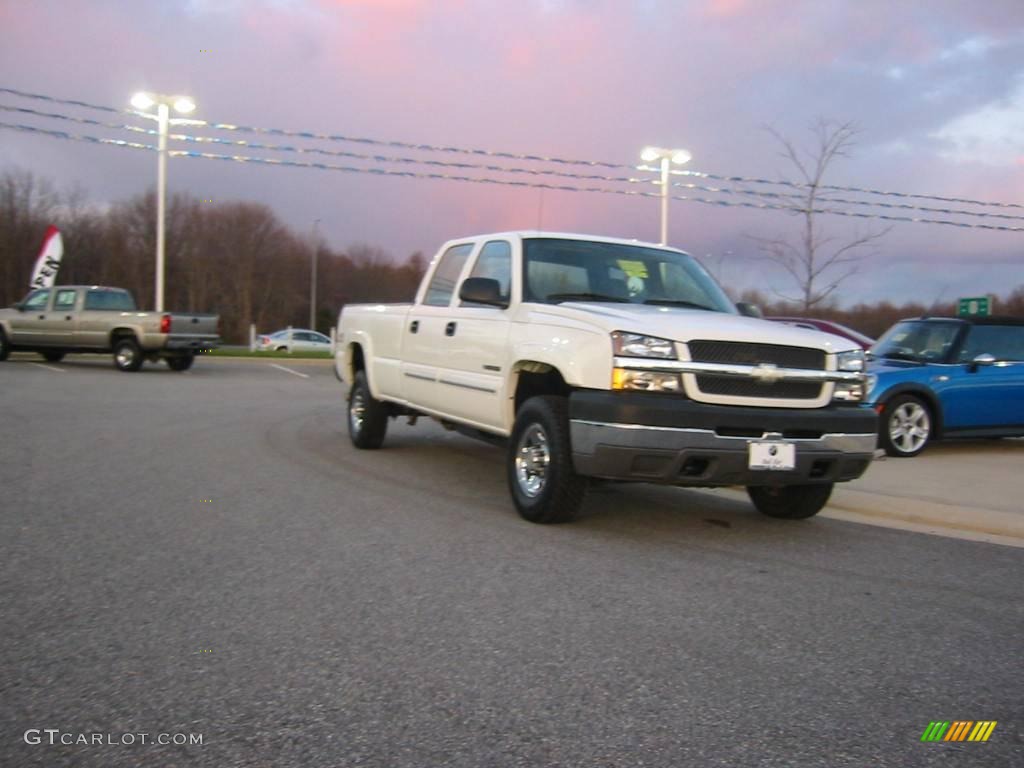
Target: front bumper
664 439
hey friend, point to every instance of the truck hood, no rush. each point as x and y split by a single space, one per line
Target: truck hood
683 324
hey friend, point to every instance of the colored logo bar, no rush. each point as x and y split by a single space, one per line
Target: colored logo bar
959 730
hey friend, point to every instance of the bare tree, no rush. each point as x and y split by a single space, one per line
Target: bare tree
818 263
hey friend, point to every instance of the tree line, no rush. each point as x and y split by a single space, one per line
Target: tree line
239 260
236 259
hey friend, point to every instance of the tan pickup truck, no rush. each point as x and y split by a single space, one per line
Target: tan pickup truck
92 318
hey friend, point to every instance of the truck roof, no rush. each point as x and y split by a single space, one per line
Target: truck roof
526 234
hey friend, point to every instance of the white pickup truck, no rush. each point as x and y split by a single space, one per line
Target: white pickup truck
593 357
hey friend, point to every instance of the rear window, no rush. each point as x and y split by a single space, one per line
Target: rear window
116 301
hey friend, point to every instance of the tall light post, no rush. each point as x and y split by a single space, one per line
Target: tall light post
184 105
312 275
666 157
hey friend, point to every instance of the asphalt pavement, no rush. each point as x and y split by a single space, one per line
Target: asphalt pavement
204 553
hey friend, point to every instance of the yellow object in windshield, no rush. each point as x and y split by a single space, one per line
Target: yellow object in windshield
633 268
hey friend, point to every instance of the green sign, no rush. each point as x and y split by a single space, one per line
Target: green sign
975 306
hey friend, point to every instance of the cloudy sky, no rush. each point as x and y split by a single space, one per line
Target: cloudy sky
935 86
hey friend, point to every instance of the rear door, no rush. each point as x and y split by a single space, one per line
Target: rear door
979 396
427 330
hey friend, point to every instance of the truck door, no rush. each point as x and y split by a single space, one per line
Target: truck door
472 376
423 338
26 328
57 327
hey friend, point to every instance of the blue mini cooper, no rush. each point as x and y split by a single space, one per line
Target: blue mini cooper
940 377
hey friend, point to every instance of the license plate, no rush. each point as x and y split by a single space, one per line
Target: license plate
772 455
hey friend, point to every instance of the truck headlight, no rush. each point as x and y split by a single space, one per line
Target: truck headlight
646 381
851 361
634 345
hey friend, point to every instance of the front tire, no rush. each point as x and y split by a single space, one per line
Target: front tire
5 347
790 502
367 417
53 355
544 486
905 427
127 355
182 363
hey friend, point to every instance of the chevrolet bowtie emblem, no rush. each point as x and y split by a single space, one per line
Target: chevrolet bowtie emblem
767 373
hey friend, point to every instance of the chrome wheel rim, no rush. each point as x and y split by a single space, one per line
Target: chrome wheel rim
125 356
909 427
357 411
533 458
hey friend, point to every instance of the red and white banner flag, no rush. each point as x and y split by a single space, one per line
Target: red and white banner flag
48 262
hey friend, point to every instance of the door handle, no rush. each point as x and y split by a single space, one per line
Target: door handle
449 330
414 326
68 317
42 317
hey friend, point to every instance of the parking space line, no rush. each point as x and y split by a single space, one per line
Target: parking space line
288 370
50 368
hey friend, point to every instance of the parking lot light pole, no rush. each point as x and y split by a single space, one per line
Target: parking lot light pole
184 105
312 275
666 157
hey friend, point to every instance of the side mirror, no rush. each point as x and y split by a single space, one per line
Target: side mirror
482 290
749 310
20 306
983 359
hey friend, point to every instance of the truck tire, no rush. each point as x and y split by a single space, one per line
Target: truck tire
905 427
790 502
181 362
53 355
367 417
127 355
544 486
5 347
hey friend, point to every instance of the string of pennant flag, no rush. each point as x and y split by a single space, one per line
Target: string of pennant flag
766 199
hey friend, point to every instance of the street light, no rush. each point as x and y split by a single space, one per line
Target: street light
312 275
183 105
666 156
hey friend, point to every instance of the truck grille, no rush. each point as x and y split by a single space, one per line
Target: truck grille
744 353
747 353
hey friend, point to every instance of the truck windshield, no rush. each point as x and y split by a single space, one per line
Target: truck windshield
917 341
557 270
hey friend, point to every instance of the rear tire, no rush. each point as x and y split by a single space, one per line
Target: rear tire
53 355
544 485
367 417
182 363
905 427
790 502
5 347
127 355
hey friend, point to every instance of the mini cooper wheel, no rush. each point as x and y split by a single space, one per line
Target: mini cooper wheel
905 427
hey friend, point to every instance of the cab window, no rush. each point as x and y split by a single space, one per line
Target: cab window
65 299
495 262
117 301
1003 342
442 284
37 299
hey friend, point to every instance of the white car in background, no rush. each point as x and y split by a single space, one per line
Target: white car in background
294 340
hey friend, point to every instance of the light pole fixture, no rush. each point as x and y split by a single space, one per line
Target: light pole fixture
183 105
666 157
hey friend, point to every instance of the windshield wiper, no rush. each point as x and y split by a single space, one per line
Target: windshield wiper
899 356
560 297
678 303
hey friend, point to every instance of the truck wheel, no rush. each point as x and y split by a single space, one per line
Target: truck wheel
182 363
127 355
791 502
905 427
53 355
367 417
5 348
544 486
